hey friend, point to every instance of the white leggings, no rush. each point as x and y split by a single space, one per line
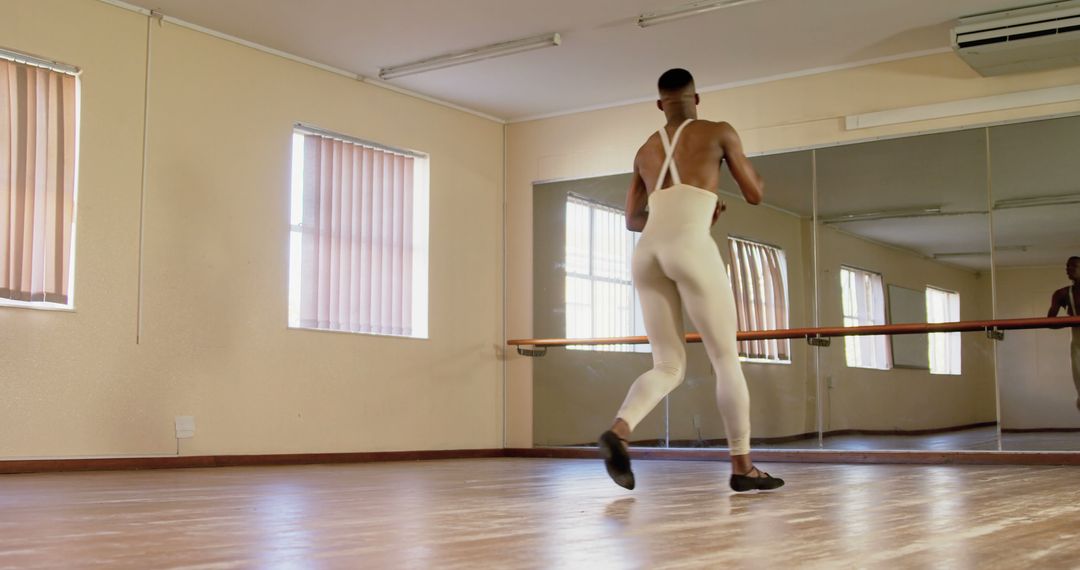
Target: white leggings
677 261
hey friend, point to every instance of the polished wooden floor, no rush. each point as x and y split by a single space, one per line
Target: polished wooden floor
536 513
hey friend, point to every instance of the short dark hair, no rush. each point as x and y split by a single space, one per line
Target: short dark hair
674 80
1072 259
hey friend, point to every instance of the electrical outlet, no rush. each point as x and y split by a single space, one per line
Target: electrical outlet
185 427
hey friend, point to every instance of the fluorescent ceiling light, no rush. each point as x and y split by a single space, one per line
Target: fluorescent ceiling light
1010 248
883 215
1036 201
687 10
469 56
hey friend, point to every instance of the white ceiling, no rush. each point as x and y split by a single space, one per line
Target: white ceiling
605 58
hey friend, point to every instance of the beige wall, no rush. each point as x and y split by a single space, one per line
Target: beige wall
214 339
1034 369
785 114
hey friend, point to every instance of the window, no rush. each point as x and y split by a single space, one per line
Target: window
864 305
38 157
943 307
759 280
359 244
600 297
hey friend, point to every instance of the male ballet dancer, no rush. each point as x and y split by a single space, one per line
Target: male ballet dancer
1068 298
676 261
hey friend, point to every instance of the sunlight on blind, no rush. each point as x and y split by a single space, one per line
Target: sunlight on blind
943 307
600 297
758 274
864 305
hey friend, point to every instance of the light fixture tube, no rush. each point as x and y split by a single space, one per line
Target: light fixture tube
687 10
1010 248
470 56
1036 201
885 215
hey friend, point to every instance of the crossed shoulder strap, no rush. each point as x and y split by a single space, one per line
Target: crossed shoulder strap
669 152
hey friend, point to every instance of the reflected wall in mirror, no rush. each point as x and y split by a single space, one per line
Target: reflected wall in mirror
582 288
903 236
1036 197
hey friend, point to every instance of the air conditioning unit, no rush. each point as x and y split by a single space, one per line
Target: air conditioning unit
1046 36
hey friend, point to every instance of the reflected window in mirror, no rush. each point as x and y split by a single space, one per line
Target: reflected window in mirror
758 274
943 307
864 305
600 297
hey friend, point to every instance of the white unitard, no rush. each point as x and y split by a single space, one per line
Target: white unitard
677 261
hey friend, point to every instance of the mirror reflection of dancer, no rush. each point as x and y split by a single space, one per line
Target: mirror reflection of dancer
1068 298
676 173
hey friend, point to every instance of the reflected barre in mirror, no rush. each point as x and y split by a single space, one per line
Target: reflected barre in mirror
991 327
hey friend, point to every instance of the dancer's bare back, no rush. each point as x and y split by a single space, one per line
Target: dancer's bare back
702 147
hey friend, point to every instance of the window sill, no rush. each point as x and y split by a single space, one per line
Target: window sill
584 348
377 335
763 361
36 306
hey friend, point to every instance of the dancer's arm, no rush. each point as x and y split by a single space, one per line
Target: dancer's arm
750 182
637 198
721 207
1057 302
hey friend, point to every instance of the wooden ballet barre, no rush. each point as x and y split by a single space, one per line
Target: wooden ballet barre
993 328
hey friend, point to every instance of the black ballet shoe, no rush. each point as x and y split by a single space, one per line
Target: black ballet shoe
616 459
764 482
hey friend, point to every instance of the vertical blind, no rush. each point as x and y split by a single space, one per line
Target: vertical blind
864 305
37 182
759 281
357 247
944 351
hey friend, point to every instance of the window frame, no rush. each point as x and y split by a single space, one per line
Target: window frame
785 286
880 340
76 72
951 339
420 224
636 319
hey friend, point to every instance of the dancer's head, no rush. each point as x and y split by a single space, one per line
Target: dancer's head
1072 268
677 93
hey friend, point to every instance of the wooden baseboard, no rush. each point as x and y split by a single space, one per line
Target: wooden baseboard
1040 430
705 443
202 461
824 456
914 432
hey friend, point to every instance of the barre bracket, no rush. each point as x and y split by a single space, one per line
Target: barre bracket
532 352
819 341
994 333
